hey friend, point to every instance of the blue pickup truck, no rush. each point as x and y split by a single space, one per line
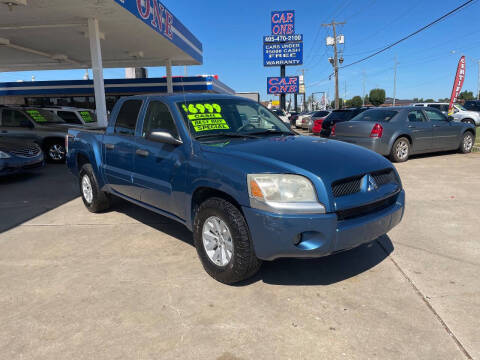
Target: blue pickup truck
235 175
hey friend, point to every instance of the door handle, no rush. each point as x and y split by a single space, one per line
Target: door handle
142 152
109 146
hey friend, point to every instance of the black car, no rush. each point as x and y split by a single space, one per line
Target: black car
18 155
339 116
472 105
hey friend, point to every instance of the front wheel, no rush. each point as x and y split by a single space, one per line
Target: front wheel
223 242
400 150
467 142
55 151
94 199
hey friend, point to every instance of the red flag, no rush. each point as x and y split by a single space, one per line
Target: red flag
457 84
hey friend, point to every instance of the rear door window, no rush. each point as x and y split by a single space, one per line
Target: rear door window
416 116
127 117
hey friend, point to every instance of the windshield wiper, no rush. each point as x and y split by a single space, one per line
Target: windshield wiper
232 135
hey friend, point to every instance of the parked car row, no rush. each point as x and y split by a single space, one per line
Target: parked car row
24 130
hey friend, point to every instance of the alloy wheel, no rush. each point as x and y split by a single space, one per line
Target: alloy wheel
468 142
217 241
87 189
402 149
56 152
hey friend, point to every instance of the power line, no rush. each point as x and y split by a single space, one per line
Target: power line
410 35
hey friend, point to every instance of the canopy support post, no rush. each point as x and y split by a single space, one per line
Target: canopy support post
97 69
169 77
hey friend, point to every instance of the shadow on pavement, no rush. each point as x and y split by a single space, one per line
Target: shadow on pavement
28 195
318 271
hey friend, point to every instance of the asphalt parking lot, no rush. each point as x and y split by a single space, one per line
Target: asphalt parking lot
127 283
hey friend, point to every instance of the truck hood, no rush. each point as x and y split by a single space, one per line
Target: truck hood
472 114
330 160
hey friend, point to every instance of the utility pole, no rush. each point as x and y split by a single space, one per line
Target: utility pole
363 84
478 84
335 58
395 80
282 96
305 93
345 92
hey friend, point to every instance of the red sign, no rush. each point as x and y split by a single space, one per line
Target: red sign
283 22
282 85
458 83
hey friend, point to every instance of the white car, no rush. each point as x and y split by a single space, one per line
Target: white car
281 114
460 114
298 122
73 115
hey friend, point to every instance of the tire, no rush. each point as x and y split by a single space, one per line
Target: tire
400 150
469 121
55 151
96 200
217 214
466 145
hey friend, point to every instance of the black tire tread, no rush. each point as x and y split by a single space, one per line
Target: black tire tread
101 200
244 263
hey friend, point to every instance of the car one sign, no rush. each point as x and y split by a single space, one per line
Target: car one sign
282 85
283 22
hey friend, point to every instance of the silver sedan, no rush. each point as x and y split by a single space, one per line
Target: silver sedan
399 132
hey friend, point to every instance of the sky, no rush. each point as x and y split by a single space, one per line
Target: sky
232 34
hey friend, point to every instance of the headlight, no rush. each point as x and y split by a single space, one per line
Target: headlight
283 193
4 155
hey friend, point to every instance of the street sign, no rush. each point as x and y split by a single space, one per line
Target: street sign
282 54
282 85
282 38
283 22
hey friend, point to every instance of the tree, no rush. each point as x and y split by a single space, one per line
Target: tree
444 100
377 97
366 100
466 95
356 101
340 103
429 100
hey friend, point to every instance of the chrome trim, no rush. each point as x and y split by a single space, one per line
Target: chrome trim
288 207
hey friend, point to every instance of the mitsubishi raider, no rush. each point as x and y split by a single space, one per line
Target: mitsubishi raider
229 170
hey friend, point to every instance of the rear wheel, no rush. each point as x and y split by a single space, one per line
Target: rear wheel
222 240
467 142
400 150
94 199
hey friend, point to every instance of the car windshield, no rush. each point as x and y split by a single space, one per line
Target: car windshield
376 115
41 116
229 117
460 107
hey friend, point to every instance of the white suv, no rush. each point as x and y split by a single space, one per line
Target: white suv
460 114
73 115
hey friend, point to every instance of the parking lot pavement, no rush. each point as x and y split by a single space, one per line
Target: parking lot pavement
127 283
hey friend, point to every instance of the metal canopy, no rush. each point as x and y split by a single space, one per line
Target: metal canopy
53 34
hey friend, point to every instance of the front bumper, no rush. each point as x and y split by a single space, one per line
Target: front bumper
15 164
274 236
379 145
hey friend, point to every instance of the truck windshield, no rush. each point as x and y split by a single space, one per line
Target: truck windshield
229 117
44 117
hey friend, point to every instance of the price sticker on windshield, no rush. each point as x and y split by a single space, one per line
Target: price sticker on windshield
86 116
35 115
205 117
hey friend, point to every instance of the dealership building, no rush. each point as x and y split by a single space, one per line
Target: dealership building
93 34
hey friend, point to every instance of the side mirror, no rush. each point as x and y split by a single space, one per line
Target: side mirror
163 136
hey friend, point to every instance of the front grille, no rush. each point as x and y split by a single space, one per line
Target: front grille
27 151
352 185
346 186
366 209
